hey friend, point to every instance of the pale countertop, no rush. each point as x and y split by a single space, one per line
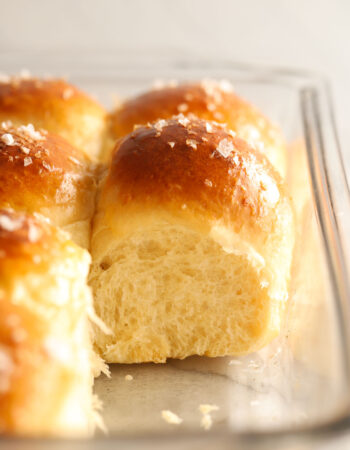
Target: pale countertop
312 35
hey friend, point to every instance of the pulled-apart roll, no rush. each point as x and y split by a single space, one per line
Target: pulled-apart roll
56 106
208 100
41 172
45 350
191 245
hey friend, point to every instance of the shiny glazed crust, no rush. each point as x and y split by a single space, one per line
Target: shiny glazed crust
208 100
56 106
195 165
42 172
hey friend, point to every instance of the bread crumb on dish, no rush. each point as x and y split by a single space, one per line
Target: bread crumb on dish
171 417
206 422
207 409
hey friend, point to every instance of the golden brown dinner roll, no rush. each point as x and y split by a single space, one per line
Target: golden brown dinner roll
41 172
56 106
191 245
45 368
208 100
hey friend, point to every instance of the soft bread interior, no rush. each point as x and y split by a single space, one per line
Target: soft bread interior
167 290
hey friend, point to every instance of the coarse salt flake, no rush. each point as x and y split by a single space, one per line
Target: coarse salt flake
208 182
207 408
225 147
9 224
160 124
27 161
46 165
7 138
171 417
208 127
129 377
182 120
6 124
30 132
74 160
192 143
25 150
232 133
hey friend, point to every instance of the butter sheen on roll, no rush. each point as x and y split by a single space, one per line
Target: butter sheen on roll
209 100
191 245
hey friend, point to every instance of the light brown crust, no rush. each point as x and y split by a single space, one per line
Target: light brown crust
56 106
194 164
41 172
208 100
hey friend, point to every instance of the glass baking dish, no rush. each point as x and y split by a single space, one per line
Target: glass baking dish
296 391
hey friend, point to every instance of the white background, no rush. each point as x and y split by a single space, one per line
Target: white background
306 34
309 34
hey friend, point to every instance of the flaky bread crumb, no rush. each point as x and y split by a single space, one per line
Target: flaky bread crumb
206 422
171 417
206 409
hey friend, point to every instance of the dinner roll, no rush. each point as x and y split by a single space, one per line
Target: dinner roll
208 100
56 106
41 172
191 245
45 369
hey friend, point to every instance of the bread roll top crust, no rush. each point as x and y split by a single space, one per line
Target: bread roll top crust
41 170
57 106
198 166
210 100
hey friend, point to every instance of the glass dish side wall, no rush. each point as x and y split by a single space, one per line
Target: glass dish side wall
297 387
